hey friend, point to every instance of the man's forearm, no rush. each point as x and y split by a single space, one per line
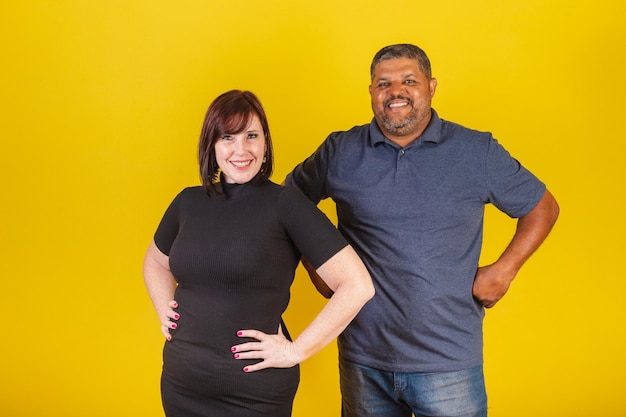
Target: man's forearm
532 230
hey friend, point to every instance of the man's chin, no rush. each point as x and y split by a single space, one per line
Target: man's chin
398 127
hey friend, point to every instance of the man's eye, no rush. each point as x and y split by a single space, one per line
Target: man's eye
383 85
409 82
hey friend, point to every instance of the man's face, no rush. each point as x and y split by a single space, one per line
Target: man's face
401 99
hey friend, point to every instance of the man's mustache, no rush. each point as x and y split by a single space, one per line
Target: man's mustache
398 97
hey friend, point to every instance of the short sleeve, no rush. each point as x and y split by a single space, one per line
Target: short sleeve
168 227
511 187
312 232
310 175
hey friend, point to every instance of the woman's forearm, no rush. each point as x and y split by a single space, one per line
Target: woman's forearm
352 286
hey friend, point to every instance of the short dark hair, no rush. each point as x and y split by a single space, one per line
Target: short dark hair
402 50
231 112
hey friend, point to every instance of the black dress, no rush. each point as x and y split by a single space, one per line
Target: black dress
234 261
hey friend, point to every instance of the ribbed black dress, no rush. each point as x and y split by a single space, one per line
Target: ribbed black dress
234 261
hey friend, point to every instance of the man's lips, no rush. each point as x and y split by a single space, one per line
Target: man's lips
397 102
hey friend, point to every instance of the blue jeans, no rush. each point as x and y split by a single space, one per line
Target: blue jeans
369 392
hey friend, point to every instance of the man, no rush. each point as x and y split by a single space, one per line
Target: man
410 190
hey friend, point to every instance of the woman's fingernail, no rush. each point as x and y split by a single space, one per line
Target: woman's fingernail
174 325
176 316
236 356
245 369
233 349
239 333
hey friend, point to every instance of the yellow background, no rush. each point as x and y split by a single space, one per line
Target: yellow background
102 103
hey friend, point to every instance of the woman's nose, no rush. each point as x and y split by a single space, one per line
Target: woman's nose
240 145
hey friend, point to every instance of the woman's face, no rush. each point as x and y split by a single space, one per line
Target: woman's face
240 155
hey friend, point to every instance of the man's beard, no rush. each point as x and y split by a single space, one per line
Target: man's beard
400 127
406 126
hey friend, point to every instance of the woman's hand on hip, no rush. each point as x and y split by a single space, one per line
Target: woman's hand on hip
168 321
274 350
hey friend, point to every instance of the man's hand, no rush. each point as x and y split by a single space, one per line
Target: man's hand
490 284
493 281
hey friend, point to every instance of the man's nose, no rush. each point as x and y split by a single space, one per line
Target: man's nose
397 89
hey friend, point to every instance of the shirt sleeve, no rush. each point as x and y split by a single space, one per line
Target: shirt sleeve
168 227
310 175
311 231
512 188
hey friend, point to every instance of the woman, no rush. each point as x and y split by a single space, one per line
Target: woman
227 253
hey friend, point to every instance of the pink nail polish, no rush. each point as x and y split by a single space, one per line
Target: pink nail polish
176 316
239 333
233 349
236 356
174 325
245 369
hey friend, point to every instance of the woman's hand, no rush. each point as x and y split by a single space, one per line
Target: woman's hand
161 286
351 285
167 322
275 350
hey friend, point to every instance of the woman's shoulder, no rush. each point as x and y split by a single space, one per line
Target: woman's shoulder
280 193
291 197
190 193
289 191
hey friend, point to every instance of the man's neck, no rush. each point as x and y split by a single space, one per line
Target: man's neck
402 141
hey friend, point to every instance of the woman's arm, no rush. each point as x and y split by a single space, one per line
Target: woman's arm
352 287
318 282
161 285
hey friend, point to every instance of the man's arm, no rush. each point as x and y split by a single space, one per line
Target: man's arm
493 281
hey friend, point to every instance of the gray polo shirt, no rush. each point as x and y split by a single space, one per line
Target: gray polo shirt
415 216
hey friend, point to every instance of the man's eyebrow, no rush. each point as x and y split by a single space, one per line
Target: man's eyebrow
407 75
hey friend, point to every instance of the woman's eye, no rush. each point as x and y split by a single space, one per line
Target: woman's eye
226 137
253 135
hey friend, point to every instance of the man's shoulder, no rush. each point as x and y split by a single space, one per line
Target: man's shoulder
354 131
458 134
450 127
355 135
